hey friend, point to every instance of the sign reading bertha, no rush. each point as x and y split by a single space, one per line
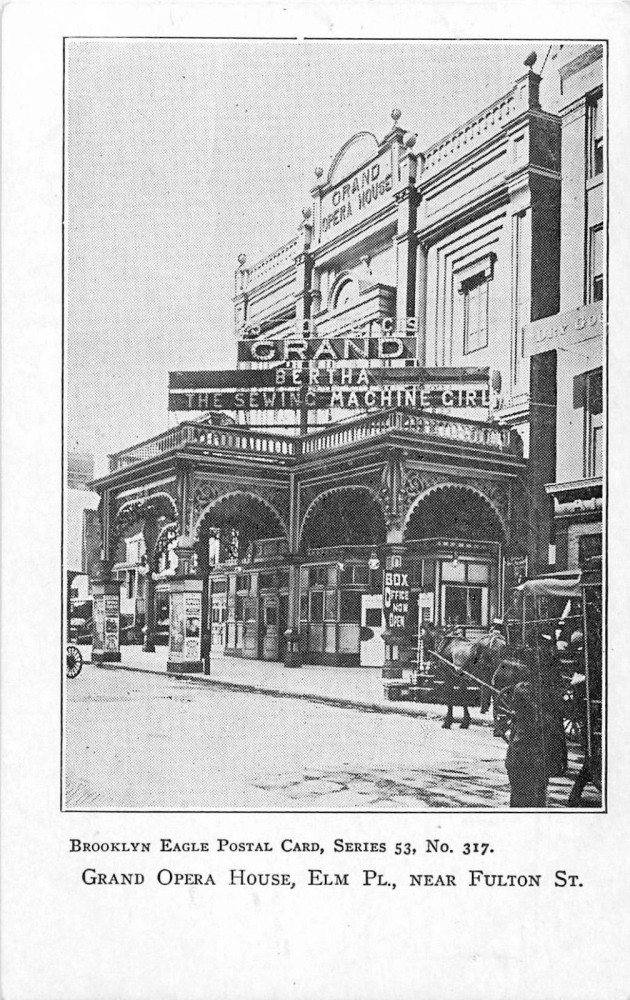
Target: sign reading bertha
289 387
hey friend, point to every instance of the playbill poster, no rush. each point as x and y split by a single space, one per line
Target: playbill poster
314 547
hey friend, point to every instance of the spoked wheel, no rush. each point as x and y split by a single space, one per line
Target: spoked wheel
570 720
74 661
504 713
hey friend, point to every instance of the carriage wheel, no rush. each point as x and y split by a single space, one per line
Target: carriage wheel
504 713
570 720
74 661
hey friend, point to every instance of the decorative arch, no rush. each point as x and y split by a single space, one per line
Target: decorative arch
139 508
361 487
365 146
464 487
249 494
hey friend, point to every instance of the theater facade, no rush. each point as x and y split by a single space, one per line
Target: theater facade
369 453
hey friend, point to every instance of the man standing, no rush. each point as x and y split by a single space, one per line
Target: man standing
537 748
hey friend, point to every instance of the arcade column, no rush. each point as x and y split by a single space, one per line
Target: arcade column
293 654
395 610
105 617
185 616
150 533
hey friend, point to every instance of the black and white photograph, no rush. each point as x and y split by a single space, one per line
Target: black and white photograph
314 617
335 425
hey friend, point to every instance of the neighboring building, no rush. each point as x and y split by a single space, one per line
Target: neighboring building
568 348
422 272
82 529
80 470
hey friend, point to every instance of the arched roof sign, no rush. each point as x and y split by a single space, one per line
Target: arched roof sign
359 149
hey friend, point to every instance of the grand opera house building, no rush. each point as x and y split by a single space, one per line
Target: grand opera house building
394 408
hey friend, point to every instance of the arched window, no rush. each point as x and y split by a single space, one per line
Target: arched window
345 294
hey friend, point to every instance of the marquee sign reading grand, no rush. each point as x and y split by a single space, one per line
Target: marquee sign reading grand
328 349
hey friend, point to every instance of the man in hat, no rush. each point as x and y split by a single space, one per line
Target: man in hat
537 748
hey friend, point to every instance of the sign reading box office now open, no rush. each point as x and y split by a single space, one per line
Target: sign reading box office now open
396 598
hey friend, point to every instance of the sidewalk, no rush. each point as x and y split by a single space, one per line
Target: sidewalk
353 688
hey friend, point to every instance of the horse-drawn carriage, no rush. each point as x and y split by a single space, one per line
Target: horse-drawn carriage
552 636
447 668
560 618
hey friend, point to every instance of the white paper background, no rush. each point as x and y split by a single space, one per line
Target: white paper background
64 940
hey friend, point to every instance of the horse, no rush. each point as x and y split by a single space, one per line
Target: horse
476 657
512 668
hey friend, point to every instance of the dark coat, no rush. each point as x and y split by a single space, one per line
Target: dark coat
537 741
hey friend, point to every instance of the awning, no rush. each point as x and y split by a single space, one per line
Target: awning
558 585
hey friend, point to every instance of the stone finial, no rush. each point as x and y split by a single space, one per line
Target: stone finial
396 113
306 212
319 172
241 259
531 59
410 140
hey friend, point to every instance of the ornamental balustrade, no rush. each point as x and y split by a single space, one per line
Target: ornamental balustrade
198 435
262 445
472 133
383 422
276 262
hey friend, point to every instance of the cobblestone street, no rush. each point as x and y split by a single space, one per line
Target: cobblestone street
139 741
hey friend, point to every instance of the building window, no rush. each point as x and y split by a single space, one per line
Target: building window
354 574
131 583
475 314
317 607
318 576
330 605
590 389
350 606
345 295
596 264
463 605
589 549
596 136
588 396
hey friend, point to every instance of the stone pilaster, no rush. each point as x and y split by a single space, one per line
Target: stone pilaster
405 240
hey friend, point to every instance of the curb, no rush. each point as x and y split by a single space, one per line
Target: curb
317 699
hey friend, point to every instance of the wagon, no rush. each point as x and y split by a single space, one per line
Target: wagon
566 608
423 677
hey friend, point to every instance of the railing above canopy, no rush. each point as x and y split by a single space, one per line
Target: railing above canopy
287 450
